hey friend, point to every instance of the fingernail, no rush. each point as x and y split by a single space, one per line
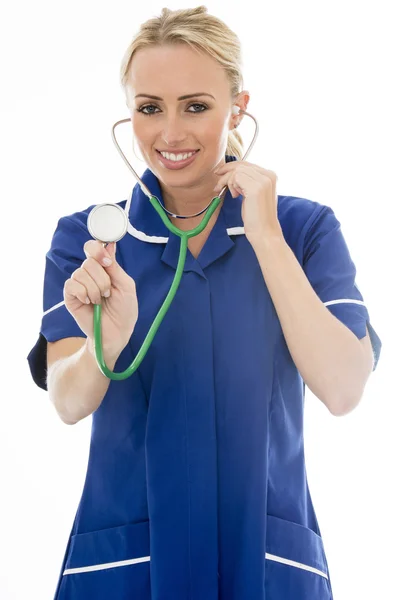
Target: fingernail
107 262
107 294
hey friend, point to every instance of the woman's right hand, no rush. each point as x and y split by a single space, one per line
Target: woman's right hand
92 280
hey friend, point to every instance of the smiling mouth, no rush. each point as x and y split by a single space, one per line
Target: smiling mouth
177 153
174 164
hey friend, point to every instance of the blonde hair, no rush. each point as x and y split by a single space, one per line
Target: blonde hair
203 32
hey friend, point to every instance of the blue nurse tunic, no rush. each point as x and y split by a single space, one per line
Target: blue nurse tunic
196 486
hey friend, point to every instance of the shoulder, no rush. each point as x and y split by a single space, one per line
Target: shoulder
297 217
295 212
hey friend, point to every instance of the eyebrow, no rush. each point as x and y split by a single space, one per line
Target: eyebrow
180 97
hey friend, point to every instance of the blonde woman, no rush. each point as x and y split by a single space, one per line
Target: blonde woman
196 486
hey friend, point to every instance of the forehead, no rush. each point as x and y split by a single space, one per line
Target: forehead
175 70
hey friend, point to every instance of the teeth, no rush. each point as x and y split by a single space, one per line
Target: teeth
176 157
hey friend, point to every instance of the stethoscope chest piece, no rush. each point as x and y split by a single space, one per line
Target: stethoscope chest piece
107 222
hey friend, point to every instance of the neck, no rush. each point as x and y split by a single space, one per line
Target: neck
189 201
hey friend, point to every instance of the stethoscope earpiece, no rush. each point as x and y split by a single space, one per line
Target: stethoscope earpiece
235 111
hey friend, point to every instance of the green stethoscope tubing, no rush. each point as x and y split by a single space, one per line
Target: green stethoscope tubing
184 235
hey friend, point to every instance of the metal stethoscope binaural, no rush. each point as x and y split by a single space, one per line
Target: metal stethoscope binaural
108 223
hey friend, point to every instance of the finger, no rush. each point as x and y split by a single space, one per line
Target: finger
75 289
244 180
228 179
230 182
238 164
95 249
99 276
246 168
118 277
111 249
93 292
236 191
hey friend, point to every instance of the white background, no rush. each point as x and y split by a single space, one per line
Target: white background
323 82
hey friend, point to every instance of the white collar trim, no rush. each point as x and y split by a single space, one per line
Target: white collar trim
154 239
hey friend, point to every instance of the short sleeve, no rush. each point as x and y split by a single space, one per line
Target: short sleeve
66 254
332 273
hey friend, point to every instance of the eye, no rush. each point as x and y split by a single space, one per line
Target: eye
142 108
198 104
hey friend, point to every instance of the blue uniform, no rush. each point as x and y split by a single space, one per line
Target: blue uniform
196 486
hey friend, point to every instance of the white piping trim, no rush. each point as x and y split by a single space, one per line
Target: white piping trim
293 563
345 300
154 239
54 307
235 230
111 565
128 203
133 561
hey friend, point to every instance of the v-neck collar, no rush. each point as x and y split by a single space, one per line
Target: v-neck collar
146 225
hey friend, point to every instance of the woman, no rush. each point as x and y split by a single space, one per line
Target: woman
196 486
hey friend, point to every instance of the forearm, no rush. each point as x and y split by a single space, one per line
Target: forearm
76 385
327 354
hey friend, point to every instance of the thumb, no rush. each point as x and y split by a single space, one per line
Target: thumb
115 271
111 248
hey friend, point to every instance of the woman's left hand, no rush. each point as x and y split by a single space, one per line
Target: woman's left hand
260 202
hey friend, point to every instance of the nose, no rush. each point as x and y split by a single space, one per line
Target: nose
173 133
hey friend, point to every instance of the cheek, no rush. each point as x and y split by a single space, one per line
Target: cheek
142 133
213 135
212 128
144 142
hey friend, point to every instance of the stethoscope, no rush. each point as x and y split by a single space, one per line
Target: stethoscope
108 223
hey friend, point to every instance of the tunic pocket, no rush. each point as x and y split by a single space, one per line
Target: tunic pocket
295 563
108 563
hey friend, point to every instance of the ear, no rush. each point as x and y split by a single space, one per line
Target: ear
242 100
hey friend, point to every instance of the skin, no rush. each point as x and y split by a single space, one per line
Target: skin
171 71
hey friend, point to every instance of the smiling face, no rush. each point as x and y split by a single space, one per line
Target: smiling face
177 125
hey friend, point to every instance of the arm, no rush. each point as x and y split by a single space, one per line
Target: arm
75 383
330 358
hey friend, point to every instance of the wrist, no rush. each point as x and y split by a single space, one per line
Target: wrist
269 239
110 355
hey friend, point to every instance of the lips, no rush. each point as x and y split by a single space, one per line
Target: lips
176 164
